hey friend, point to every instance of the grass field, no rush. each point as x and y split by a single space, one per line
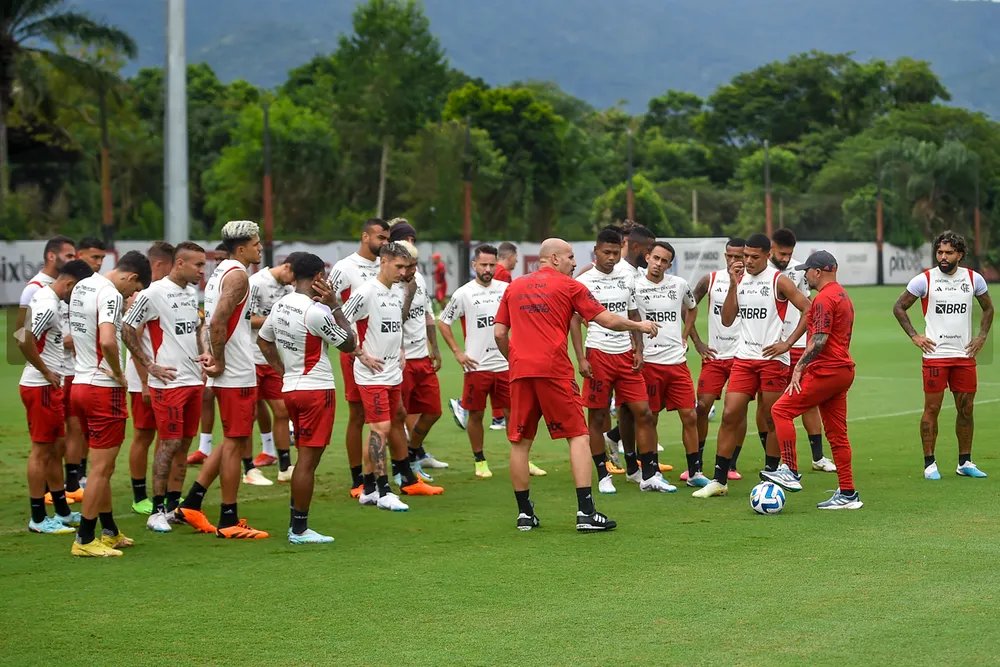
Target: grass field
911 578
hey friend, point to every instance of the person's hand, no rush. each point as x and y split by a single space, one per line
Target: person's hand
649 328
370 362
637 362
436 360
924 343
795 385
324 292
52 378
215 369
146 398
467 363
585 369
706 352
165 374
975 345
736 271
777 349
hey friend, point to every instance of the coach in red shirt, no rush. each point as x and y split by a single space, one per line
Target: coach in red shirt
823 375
538 308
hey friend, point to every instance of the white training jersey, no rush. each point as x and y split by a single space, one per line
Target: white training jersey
415 326
39 281
350 273
476 306
721 338
269 291
377 312
169 314
616 292
95 301
762 315
302 330
792 314
240 370
947 305
662 303
46 327
624 267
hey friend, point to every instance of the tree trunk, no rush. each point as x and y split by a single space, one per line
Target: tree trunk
383 168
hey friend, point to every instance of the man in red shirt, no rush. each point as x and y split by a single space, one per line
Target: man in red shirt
440 280
538 308
506 261
823 375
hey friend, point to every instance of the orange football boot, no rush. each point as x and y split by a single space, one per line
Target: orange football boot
241 531
421 488
196 519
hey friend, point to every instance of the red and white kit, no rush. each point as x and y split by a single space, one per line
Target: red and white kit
377 312
762 320
476 307
346 277
421 389
715 372
45 404
668 379
268 291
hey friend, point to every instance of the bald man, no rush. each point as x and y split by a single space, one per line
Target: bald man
538 309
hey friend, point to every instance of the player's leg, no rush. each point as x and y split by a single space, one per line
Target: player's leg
282 439
312 414
645 442
268 454
207 426
409 483
476 386
143 434
164 455
734 418
596 421
302 483
56 482
476 432
352 442
813 424
237 408
761 418
39 461
522 426
833 411
705 404
929 431
677 393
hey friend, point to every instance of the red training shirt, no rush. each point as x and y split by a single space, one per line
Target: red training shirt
538 309
501 273
832 313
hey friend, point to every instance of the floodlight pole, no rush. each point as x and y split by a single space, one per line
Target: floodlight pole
629 191
177 222
465 248
768 207
879 230
268 204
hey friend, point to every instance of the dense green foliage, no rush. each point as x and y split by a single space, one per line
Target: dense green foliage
380 125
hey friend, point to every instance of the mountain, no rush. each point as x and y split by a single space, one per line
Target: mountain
602 51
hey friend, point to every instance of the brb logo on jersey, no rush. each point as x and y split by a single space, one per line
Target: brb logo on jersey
950 308
484 321
666 316
753 313
392 327
181 328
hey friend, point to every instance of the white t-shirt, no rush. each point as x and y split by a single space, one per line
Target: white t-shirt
240 369
377 312
415 326
46 327
721 338
351 273
947 305
476 306
170 315
95 301
616 292
662 303
39 281
792 314
269 291
302 330
762 315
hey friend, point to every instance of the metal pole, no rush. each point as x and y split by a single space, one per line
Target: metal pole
629 192
977 228
107 213
465 248
178 224
268 205
694 207
879 232
768 212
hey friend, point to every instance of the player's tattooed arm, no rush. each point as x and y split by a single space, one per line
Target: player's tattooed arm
432 342
409 291
701 289
270 352
235 287
816 344
977 343
903 303
144 365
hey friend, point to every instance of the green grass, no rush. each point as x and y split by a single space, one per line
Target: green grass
911 578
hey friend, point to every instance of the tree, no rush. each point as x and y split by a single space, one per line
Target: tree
390 78
25 27
675 113
660 217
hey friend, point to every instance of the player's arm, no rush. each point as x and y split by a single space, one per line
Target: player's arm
817 342
637 345
107 336
690 315
235 287
501 334
28 345
453 311
265 343
576 337
409 291
609 320
977 343
794 296
132 326
432 341
730 305
903 303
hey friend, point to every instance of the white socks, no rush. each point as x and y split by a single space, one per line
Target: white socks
267 439
205 446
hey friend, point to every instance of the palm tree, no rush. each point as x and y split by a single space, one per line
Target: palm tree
26 27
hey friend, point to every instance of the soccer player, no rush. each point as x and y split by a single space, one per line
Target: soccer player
95 315
506 261
167 311
41 390
782 248
421 389
440 280
294 339
668 301
758 294
271 284
92 251
823 375
198 456
58 251
532 323
161 257
486 371
347 276
948 346
229 301
718 354
610 362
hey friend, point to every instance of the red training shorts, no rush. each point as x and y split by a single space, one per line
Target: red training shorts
669 387
959 375
380 401
351 392
714 376
751 377
102 414
556 399
142 412
67 390
44 407
478 385
237 409
311 412
421 389
612 372
177 411
268 383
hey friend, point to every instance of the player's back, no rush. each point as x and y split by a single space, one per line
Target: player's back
95 300
240 370
294 318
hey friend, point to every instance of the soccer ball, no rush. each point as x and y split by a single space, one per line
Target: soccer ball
767 498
